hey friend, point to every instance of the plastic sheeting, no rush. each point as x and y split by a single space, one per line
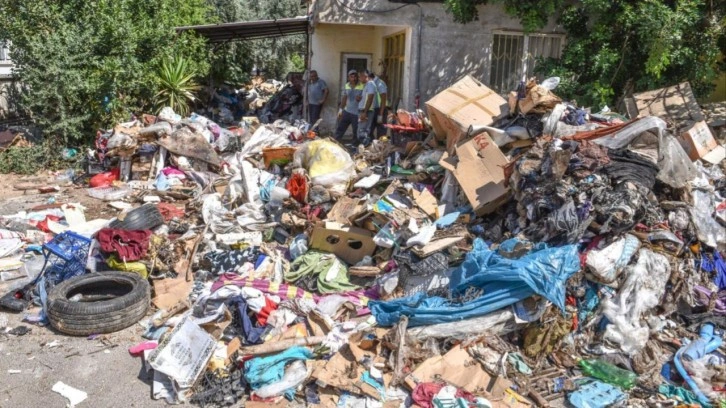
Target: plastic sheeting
676 169
642 290
503 282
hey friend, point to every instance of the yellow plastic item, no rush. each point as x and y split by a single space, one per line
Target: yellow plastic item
133 267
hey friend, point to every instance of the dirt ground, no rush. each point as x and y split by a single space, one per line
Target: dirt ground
101 367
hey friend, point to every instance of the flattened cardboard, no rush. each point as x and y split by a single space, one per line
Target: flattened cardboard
458 368
675 104
479 169
700 144
348 243
467 102
345 210
427 202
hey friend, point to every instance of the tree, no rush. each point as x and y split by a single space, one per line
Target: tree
234 61
617 47
85 65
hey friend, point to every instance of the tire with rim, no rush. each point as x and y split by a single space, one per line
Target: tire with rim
146 217
109 302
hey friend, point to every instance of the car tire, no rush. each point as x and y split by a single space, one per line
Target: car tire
146 217
113 301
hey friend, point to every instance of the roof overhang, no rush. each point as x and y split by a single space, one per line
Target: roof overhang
250 30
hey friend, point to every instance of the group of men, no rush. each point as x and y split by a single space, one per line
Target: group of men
362 107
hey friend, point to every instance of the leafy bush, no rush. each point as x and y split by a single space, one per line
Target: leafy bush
176 85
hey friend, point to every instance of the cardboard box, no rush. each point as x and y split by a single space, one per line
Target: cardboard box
479 169
465 103
346 210
350 244
700 144
674 104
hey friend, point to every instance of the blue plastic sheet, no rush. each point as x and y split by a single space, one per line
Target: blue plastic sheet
263 371
717 266
502 281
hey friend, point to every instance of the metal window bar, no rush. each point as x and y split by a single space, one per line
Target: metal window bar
506 70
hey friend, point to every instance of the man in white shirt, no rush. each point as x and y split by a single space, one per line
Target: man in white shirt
317 95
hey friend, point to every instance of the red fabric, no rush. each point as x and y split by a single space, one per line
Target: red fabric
270 306
424 393
129 245
105 179
43 225
298 187
168 211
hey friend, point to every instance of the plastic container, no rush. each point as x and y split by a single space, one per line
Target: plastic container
109 193
66 256
608 373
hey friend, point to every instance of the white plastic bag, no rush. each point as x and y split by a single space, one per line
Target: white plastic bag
605 264
642 290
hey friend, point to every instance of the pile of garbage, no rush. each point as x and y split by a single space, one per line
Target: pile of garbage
267 99
499 253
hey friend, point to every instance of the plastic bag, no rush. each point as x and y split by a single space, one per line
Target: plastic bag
295 374
605 264
264 136
642 290
676 169
709 231
167 114
105 179
327 163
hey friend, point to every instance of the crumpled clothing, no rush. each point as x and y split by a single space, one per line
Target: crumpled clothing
553 332
251 334
618 210
169 211
588 158
626 165
424 394
264 313
321 271
716 266
282 290
262 371
129 245
219 262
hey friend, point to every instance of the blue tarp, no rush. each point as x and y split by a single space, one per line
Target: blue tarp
261 371
503 281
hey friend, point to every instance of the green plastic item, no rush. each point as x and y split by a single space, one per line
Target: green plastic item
608 373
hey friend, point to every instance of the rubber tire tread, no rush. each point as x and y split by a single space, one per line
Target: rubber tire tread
107 316
146 217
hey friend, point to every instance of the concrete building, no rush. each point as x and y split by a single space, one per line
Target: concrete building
6 76
419 48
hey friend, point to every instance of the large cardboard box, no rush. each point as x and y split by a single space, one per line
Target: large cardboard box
467 102
350 244
675 104
700 144
479 168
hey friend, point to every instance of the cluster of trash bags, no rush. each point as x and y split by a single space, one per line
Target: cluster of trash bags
527 252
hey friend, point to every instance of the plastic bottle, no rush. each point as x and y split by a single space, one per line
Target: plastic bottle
608 373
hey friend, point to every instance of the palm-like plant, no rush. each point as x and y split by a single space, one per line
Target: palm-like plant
176 85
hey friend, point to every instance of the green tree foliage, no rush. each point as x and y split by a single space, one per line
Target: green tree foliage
177 85
234 61
86 64
616 47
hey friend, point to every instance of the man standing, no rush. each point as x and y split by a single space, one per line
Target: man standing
348 113
367 108
381 105
317 95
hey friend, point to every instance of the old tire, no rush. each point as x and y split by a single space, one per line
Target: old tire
146 217
114 301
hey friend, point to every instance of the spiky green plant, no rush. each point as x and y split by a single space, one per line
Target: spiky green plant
176 85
